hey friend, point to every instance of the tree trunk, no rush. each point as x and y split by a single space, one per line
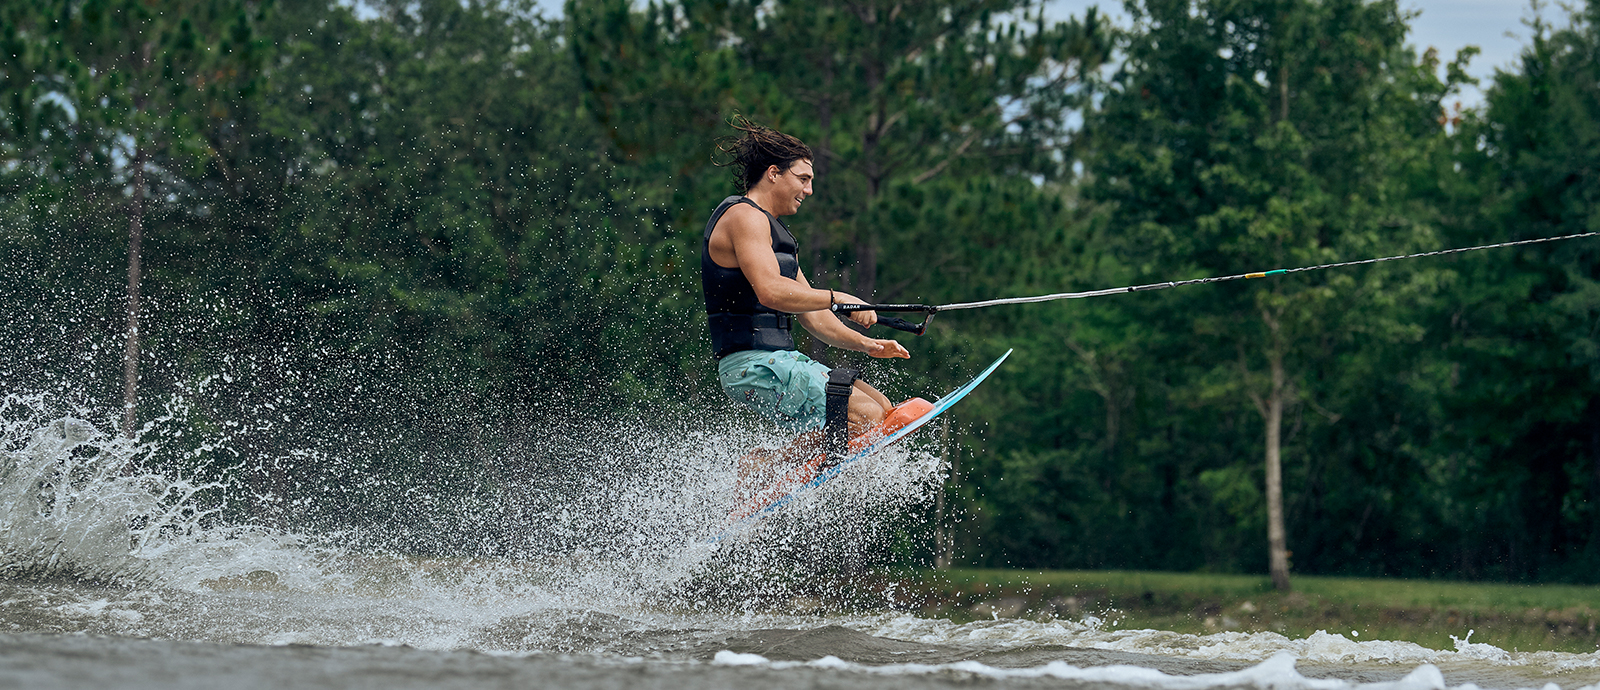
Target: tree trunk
820 166
865 284
1283 93
1278 552
1277 547
130 352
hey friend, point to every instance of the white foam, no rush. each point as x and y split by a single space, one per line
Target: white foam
1477 650
1276 673
1321 646
732 658
100 608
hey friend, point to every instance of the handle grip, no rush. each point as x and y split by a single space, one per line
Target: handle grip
890 321
900 324
849 308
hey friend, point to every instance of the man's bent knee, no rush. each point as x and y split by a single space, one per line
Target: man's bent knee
865 412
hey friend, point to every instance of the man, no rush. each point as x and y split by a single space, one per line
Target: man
755 290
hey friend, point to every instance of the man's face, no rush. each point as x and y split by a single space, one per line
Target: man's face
792 187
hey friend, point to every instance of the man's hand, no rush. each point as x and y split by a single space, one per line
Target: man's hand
865 318
885 349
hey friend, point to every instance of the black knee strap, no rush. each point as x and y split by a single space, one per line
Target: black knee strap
835 430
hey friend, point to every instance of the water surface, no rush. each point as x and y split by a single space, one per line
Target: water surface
129 578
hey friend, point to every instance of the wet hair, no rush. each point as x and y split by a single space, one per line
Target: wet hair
756 149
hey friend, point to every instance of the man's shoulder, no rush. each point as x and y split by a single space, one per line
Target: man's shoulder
743 218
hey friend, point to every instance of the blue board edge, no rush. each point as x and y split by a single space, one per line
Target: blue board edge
944 403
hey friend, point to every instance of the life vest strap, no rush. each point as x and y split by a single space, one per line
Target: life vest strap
739 332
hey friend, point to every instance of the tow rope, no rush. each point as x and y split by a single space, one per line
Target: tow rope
930 310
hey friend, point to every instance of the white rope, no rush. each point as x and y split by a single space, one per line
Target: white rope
1260 274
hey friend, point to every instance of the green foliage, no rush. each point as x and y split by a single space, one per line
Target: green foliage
1516 376
445 226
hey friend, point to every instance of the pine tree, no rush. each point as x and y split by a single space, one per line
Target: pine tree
140 78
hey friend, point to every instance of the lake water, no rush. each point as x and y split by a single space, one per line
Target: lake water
111 578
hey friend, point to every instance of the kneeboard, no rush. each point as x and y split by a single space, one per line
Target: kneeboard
938 408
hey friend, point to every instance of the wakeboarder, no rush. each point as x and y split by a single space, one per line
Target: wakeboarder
755 292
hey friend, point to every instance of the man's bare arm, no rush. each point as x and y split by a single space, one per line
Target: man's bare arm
825 325
747 246
751 237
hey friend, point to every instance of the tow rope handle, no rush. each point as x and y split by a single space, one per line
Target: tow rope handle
894 322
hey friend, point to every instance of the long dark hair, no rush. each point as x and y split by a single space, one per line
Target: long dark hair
755 149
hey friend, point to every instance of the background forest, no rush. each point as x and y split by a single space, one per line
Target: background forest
426 236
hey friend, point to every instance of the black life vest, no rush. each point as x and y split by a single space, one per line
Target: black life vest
737 319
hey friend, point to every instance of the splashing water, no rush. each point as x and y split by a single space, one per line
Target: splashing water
609 561
626 533
74 502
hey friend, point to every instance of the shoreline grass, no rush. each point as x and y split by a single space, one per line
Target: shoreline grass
1511 617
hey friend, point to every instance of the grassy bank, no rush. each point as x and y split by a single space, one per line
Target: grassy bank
1512 617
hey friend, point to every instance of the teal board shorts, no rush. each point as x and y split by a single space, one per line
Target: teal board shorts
784 386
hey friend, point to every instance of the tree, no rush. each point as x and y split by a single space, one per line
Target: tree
141 78
1246 136
940 131
897 95
894 98
1521 410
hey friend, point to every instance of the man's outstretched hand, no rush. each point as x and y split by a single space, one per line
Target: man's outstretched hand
885 349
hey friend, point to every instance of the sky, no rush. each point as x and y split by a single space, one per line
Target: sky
1495 26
